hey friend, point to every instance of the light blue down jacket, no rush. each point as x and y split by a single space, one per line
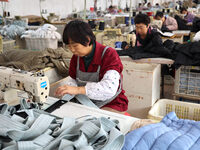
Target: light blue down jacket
171 133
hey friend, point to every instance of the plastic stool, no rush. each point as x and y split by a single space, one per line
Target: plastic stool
127 114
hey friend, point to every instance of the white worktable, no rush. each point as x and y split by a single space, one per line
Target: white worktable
77 110
149 60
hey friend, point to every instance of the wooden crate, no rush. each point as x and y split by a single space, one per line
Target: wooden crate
187 81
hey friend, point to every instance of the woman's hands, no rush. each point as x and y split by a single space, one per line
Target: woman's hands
72 90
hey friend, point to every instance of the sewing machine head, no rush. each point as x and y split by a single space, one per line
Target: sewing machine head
16 84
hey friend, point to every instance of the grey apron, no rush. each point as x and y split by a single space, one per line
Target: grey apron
83 77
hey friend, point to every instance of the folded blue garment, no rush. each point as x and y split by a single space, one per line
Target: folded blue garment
171 133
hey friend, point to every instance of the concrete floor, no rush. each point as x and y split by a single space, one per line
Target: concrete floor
168 87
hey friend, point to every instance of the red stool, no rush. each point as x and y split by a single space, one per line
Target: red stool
127 114
149 13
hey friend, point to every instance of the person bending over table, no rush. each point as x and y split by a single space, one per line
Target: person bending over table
95 70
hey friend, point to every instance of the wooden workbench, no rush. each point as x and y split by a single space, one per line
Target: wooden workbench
190 97
178 36
155 60
175 38
182 32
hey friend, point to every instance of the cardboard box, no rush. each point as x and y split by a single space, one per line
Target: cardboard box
141 82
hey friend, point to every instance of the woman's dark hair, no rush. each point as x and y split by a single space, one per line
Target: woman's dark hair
159 14
142 18
79 32
183 9
110 7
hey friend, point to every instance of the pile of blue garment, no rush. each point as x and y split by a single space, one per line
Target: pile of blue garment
20 23
11 31
16 28
171 133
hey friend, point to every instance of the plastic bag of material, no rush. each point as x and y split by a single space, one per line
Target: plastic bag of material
11 31
46 31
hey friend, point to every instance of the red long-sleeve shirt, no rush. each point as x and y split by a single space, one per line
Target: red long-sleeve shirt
110 61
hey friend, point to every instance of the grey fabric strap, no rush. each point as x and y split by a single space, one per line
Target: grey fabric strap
42 123
67 97
91 132
18 118
28 105
4 109
25 145
115 140
48 132
83 99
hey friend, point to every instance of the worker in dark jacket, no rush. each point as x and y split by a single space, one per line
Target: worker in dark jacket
148 41
145 35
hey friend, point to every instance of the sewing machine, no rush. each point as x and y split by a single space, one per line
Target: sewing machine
16 84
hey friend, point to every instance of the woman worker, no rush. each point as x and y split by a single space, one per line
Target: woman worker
95 70
145 35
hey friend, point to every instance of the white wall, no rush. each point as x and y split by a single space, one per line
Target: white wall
59 7
31 7
23 7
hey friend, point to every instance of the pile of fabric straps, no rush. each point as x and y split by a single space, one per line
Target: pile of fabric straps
39 130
